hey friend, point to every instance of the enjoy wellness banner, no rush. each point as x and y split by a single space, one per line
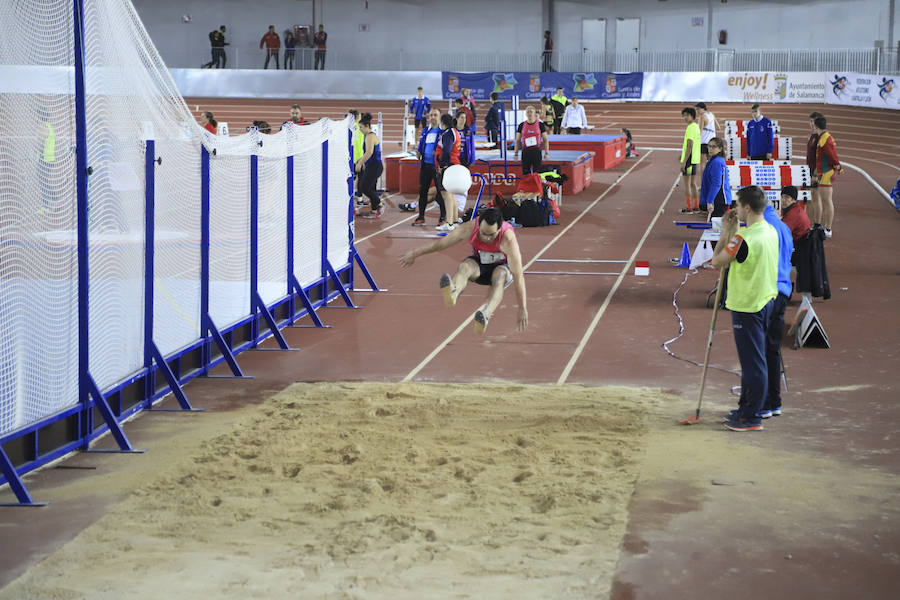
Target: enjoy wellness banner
531 86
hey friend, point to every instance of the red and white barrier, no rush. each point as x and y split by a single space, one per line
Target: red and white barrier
736 148
769 177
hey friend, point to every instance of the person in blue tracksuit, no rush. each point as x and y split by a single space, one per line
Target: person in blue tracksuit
775 332
419 107
760 136
715 189
493 120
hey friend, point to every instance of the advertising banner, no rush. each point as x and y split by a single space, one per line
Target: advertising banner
764 86
776 86
685 87
855 89
532 86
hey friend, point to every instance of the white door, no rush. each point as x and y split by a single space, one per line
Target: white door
628 43
593 43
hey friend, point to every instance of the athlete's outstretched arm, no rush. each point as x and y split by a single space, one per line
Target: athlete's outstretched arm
510 246
459 233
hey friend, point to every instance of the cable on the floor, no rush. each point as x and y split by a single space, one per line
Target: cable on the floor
665 345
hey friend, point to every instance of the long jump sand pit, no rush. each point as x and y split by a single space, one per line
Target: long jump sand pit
394 491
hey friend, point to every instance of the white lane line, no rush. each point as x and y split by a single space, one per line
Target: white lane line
371 235
868 178
463 325
590 330
880 162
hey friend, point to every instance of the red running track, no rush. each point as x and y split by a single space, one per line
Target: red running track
607 329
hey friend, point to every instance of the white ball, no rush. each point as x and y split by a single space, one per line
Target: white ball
457 179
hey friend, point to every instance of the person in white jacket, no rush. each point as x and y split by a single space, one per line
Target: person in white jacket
574 119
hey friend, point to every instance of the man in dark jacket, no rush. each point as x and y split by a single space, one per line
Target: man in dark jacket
558 101
493 120
217 43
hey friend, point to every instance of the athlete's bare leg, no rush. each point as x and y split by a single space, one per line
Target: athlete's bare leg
468 271
450 206
814 207
825 197
494 297
695 191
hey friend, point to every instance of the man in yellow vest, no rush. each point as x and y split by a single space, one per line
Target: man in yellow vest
357 140
751 256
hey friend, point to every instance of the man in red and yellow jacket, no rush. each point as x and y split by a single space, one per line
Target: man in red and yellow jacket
827 166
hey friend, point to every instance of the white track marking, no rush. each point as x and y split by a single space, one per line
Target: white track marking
590 330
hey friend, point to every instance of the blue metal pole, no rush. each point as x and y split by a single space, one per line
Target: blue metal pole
204 248
351 212
149 219
290 231
325 221
81 174
254 239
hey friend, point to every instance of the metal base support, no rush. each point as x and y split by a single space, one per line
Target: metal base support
15 483
171 380
114 428
270 321
304 298
332 274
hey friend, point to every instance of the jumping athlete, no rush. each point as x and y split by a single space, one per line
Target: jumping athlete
495 261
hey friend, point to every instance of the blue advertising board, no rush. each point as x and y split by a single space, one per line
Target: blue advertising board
531 86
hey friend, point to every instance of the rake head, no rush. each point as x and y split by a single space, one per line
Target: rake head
691 420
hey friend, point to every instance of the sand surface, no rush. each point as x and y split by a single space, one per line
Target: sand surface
340 490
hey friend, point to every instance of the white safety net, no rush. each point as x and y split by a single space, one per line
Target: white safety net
130 101
338 193
308 209
38 254
229 226
272 206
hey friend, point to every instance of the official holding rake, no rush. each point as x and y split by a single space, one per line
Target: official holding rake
752 258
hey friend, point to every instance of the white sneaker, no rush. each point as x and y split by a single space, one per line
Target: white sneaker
828 233
444 227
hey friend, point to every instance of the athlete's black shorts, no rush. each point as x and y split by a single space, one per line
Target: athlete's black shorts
421 122
486 275
704 149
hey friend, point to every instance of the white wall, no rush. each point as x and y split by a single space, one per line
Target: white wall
751 24
512 26
394 25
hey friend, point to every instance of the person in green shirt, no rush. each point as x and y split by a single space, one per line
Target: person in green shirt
358 140
751 256
559 102
690 161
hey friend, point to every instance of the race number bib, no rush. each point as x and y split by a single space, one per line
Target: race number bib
430 138
531 141
489 258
